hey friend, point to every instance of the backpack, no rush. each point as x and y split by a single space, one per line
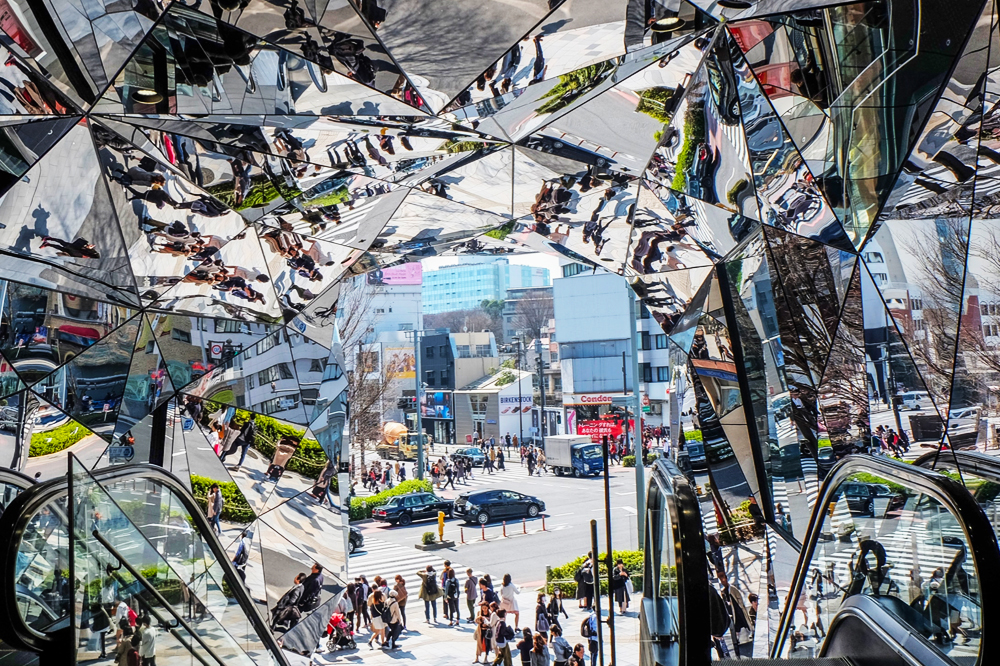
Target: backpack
242 556
431 585
132 617
132 658
452 588
585 628
508 632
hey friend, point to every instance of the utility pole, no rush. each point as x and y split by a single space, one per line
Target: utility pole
420 426
541 387
520 400
640 458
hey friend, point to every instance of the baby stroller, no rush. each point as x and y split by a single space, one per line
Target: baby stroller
340 632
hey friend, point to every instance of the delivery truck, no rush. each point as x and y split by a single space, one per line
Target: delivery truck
573 454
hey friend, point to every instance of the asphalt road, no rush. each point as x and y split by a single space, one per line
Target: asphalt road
570 506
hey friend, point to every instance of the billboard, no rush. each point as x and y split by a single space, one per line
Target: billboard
411 273
436 404
400 362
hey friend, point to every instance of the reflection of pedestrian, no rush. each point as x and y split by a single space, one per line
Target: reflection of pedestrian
79 248
215 504
312 590
242 555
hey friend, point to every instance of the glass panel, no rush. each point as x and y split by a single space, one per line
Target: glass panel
42 567
905 549
102 579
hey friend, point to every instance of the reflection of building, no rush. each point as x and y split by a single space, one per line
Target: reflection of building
493 405
526 307
471 280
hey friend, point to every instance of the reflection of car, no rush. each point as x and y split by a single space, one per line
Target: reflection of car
798 206
723 86
355 539
782 406
404 509
825 460
860 497
913 399
486 505
696 454
473 454
8 418
764 134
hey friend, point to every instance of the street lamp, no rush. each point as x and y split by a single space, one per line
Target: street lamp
520 400
541 386
418 383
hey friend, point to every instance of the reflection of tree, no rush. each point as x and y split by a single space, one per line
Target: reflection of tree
533 314
977 363
843 392
367 392
574 85
655 103
474 319
939 252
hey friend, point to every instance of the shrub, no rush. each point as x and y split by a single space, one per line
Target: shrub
57 439
628 461
428 538
693 435
865 477
235 509
562 576
650 457
361 507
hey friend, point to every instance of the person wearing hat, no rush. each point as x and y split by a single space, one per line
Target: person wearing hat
395 627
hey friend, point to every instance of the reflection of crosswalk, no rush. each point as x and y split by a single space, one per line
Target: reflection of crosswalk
382 558
512 473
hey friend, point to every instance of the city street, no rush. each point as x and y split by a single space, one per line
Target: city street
570 506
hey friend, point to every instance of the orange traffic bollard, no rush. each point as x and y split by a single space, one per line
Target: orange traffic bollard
484 533
543 523
524 525
505 528
461 533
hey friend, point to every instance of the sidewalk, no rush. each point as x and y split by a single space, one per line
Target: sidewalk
442 645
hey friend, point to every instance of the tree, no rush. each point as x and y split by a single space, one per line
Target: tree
371 382
533 314
471 320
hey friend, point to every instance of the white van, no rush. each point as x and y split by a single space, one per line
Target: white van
914 399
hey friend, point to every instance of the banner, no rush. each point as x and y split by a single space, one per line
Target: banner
411 273
436 404
400 362
599 428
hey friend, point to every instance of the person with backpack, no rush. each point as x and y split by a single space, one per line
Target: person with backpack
451 594
100 624
285 613
524 647
381 616
147 647
395 627
429 592
584 578
242 555
561 649
215 504
588 629
503 634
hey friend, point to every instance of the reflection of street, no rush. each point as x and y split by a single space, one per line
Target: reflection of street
88 450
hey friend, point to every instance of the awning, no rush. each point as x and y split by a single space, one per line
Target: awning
82 331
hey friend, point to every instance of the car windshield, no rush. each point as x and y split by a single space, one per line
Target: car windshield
392 501
881 490
590 452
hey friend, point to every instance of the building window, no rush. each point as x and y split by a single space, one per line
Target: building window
179 335
441 352
644 341
482 350
267 343
661 341
429 352
663 374
150 347
464 351
230 326
274 373
444 378
646 371
316 365
429 377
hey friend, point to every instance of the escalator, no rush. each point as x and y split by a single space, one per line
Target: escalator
898 568
131 535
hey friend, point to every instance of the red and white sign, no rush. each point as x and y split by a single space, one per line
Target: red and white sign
598 429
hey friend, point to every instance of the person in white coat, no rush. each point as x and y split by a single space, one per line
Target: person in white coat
508 598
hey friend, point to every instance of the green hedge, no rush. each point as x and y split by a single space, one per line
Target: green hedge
562 576
235 509
629 461
62 437
361 507
865 477
693 435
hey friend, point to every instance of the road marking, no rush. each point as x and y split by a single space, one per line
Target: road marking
560 515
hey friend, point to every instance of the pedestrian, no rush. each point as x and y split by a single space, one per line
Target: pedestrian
362 617
471 593
556 607
429 592
579 656
561 649
450 473
584 578
482 634
443 584
540 652
738 616
530 461
500 458
486 592
395 619
401 594
506 441
147 645
380 618
621 581
502 636
508 598
312 589
524 647
451 594
100 624
487 465
215 504
242 555
350 595
542 621
588 629
285 613
246 438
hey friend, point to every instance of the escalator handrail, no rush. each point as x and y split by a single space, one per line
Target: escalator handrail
983 549
22 508
17 479
692 562
975 462
108 546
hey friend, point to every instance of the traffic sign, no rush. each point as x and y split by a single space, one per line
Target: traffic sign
621 400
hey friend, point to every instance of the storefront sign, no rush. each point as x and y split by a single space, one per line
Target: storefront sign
591 398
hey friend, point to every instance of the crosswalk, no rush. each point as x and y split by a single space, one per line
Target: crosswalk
386 559
514 473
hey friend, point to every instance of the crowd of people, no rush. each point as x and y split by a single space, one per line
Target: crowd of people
500 628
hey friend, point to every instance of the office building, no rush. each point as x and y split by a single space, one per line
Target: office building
471 280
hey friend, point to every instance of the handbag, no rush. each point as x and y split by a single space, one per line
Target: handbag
542 624
743 636
629 587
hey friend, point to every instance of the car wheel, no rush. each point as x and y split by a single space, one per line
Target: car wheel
483 518
351 547
532 511
405 520
576 473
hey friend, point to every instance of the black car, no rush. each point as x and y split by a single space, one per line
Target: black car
404 509
355 540
473 454
861 497
486 505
